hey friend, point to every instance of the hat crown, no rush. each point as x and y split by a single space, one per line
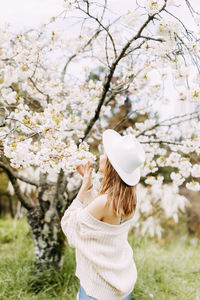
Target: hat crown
125 153
128 153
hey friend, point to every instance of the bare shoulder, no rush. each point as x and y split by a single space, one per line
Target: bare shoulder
97 207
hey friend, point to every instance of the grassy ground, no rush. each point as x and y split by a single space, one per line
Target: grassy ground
167 270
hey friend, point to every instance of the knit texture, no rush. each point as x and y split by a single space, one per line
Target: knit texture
104 258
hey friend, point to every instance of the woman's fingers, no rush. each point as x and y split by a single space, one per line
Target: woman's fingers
84 167
88 165
80 169
88 169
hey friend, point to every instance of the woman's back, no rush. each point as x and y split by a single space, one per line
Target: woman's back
111 218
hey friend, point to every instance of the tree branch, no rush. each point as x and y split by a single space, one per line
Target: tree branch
7 168
177 20
189 52
60 189
151 38
25 201
191 9
101 25
75 54
13 119
26 96
108 78
172 118
34 84
162 142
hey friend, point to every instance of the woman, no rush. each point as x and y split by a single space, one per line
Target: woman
98 229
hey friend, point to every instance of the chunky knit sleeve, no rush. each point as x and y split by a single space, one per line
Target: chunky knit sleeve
70 222
89 196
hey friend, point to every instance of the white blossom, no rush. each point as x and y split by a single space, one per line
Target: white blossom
195 170
131 18
153 6
177 178
193 186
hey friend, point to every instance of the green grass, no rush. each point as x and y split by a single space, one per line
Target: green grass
168 269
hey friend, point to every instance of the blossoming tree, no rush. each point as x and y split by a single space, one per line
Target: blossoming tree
50 116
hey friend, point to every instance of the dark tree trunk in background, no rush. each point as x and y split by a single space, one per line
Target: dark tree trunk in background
44 212
44 220
192 211
8 204
49 240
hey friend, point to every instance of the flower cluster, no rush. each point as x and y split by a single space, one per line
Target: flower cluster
156 203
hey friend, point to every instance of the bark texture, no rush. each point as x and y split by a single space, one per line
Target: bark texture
44 220
49 241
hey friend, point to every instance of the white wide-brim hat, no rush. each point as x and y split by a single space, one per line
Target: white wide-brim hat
126 155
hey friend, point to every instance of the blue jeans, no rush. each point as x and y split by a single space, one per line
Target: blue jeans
83 296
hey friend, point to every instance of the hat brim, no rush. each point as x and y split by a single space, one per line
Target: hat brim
132 178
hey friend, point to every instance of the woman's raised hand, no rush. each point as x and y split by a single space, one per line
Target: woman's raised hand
81 168
87 175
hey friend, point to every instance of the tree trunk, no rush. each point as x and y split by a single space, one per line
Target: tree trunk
44 214
49 240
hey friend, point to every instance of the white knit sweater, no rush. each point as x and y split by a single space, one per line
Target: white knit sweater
104 258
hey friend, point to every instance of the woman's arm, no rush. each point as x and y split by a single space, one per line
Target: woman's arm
82 193
86 183
71 221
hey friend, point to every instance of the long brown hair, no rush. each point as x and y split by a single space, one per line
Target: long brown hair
122 196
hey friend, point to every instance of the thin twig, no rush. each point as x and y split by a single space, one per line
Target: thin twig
105 28
94 36
162 142
34 84
163 121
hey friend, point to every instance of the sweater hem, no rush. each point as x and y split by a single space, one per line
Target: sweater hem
98 290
